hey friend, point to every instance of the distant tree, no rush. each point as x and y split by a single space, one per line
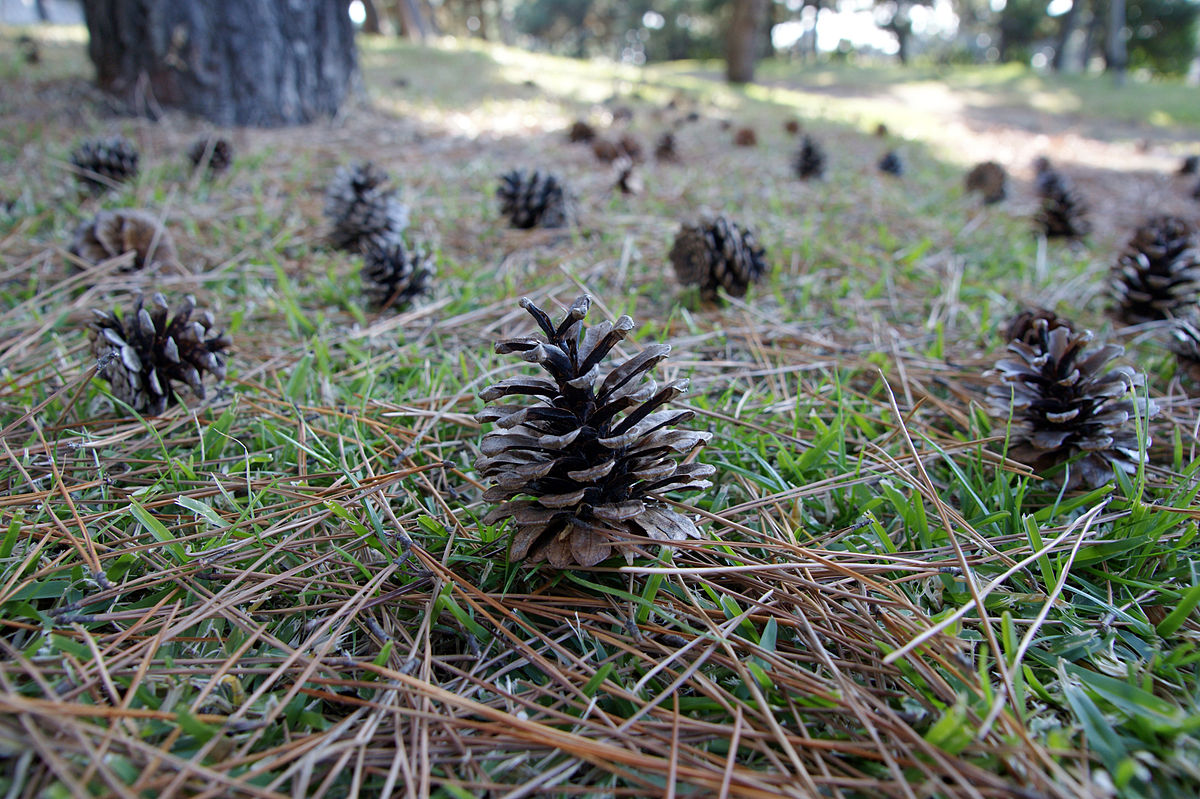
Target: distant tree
1116 57
1019 22
266 63
741 51
1066 29
1162 34
895 16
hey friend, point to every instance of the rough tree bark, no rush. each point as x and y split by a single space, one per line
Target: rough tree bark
740 53
235 62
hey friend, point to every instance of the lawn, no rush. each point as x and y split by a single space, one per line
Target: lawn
287 588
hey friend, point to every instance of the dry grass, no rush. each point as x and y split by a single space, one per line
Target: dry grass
285 590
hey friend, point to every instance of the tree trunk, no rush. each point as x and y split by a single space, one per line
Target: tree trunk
1066 30
1115 59
748 16
235 62
371 23
412 20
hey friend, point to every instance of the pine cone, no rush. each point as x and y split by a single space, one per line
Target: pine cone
989 179
628 181
1184 341
588 481
1062 211
881 131
114 233
534 199
809 161
1158 275
891 164
1062 404
716 253
605 151
745 137
394 276
1190 165
792 126
1024 326
632 148
664 148
101 164
215 150
580 131
143 355
360 206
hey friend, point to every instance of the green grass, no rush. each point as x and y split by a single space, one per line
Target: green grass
286 589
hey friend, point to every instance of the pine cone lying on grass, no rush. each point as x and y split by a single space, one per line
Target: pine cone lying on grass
990 180
891 164
214 151
745 137
1158 275
1064 403
534 199
717 253
101 164
1184 341
580 131
1022 327
809 161
629 180
394 276
361 206
579 470
113 233
664 148
1190 165
144 354
1062 212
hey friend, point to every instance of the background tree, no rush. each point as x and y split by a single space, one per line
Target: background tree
742 44
266 63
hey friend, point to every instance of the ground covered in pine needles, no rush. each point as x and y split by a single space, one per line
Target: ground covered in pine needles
286 589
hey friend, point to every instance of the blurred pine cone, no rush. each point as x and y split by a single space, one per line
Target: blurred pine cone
745 137
628 181
394 276
664 148
632 148
1158 275
534 199
580 131
605 151
891 164
792 126
577 480
360 206
809 161
101 164
990 180
215 151
143 355
1064 403
113 233
716 253
1062 212
1190 165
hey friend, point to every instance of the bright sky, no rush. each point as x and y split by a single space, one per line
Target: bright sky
854 20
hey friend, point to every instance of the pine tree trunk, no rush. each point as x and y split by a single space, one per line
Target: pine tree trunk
1070 22
748 16
1116 59
235 62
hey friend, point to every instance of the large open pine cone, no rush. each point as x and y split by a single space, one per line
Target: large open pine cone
142 355
534 199
716 253
1064 402
1062 212
361 206
579 470
394 276
100 164
113 233
1158 275
1024 326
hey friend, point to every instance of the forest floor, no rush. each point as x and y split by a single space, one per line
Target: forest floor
287 588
